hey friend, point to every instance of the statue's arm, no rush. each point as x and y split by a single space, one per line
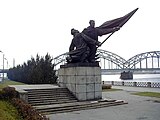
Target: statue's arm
90 40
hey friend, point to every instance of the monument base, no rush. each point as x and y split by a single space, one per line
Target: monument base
83 81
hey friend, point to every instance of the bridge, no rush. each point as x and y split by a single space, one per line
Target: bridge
111 63
3 71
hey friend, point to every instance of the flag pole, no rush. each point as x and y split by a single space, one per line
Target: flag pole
107 38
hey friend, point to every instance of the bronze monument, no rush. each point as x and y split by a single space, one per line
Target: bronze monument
84 45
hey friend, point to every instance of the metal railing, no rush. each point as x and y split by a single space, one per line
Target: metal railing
133 84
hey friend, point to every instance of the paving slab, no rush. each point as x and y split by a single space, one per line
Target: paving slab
138 108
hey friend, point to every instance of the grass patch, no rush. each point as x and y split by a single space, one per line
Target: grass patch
148 94
110 90
8 111
9 82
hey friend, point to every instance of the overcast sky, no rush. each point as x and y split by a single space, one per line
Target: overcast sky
28 27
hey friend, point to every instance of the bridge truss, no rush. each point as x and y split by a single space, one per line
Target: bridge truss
112 58
149 58
109 60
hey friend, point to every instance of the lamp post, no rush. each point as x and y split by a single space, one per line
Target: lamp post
3 66
7 62
3 69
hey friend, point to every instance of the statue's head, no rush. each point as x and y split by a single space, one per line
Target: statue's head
74 31
92 23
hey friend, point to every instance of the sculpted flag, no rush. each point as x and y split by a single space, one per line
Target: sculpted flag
118 22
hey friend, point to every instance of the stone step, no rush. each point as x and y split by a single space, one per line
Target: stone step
47 90
45 101
51 102
60 94
55 91
49 94
64 94
76 106
50 97
38 97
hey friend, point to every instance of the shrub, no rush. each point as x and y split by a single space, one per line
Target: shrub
8 93
1 94
106 86
27 111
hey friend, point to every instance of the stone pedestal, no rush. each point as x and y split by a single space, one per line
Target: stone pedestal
84 82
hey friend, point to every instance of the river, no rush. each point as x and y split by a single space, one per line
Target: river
136 78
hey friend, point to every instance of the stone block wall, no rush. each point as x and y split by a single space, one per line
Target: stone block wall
83 82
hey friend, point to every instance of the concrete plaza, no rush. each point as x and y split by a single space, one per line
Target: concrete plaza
138 107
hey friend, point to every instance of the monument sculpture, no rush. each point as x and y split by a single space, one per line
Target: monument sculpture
82 73
79 49
84 45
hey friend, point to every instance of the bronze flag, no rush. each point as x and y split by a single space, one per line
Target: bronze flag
118 22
